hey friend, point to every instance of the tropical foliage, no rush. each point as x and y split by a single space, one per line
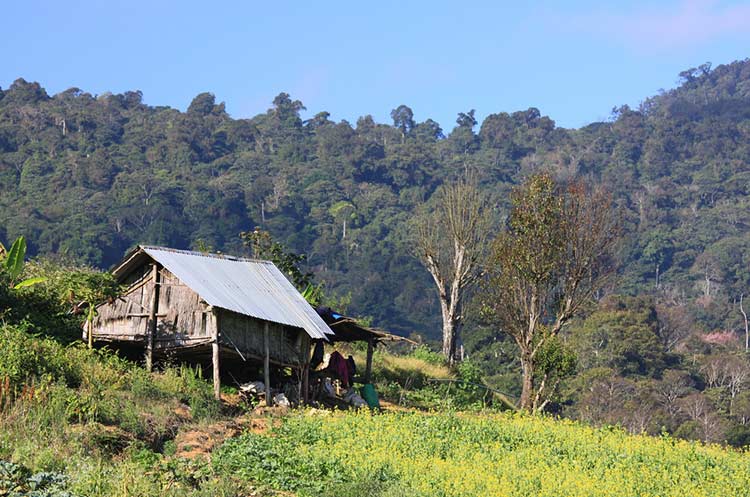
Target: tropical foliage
13 264
89 176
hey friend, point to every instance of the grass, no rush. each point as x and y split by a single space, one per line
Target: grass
408 369
96 417
403 379
108 427
79 422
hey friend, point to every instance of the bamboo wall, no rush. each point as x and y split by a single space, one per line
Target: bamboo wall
287 345
183 319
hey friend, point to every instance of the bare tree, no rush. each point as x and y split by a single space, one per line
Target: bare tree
675 325
546 266
674 385
449 242
741 408
729 372
603 396
695 406
699 409
713 371
640 411
737 374
709 268
747 329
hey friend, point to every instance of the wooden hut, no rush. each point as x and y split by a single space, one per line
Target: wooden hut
192 303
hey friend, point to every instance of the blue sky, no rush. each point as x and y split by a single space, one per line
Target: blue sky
574 60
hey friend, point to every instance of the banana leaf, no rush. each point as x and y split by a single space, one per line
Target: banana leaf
29 282
14 261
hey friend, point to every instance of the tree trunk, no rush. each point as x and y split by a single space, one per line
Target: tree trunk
449 339
707 289
450 322
747 329
527 368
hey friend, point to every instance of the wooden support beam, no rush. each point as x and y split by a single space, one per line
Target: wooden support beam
267 362
304 368
138 284
306 383
152 318
215 356
90 332
368 366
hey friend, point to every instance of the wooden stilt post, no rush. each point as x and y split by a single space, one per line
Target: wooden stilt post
90 332
304 369
215 361
151 332
368 366
306 383
267 362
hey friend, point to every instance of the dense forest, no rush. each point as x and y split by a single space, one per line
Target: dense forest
86 177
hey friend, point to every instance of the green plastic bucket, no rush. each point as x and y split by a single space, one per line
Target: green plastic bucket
370 395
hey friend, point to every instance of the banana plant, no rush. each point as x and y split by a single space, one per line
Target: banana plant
313 294
84 290
13 264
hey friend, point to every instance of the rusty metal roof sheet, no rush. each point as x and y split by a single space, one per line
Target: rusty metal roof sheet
246 286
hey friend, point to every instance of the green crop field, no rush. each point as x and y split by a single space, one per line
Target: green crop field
478 455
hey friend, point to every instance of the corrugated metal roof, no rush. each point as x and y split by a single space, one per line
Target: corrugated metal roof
250 287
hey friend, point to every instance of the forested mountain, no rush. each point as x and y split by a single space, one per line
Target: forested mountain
90 176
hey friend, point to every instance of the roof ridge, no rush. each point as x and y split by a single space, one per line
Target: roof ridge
227 257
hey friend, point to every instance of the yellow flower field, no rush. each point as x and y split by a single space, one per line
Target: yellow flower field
445 454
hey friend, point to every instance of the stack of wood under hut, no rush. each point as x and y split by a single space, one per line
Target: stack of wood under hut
241 319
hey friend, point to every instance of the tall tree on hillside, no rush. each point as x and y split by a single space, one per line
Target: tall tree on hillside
449 242
744 320
462 138
545 267
403 119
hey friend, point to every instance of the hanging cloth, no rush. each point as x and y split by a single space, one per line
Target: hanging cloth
338 366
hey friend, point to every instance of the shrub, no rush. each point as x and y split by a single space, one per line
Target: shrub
424 353
23 357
